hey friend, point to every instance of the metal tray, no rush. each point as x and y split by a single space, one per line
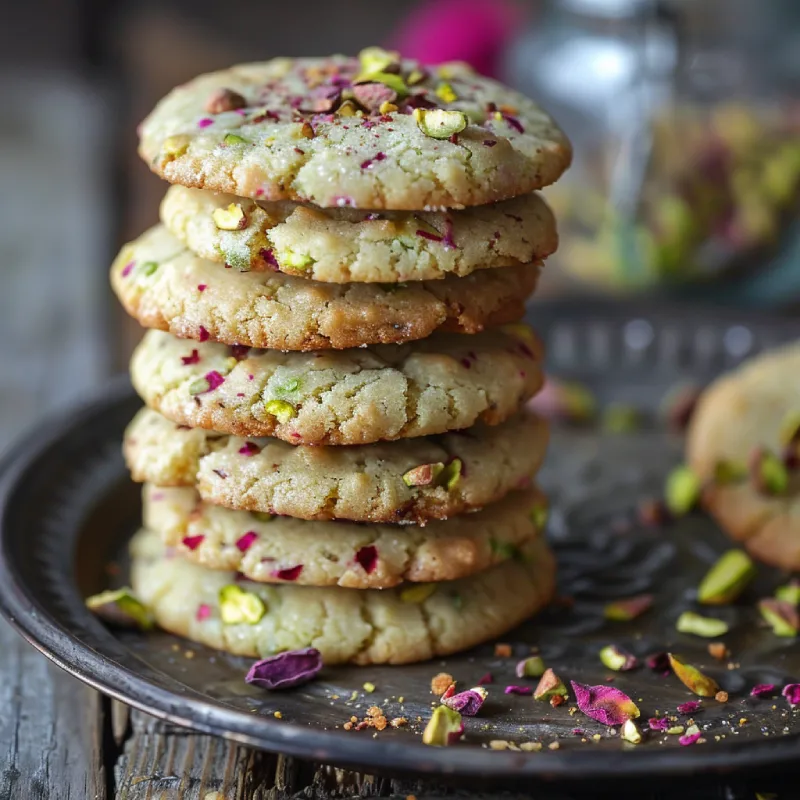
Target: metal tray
68 506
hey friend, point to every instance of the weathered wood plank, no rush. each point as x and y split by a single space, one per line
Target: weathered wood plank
50 729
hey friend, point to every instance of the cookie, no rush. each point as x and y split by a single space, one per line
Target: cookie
391 626
357 396
344 245
742 411
311 131
410 480
165 286
358 556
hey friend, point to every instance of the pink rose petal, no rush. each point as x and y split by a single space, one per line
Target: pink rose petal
605 704
245 542
249 449
203 612
192 542
367 557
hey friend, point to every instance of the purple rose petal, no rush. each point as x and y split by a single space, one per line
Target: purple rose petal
467 703
487 678
427 235
201 287
203 612
518 689
605 704
192 542
689 707
205 122
249 449
128 268
203 334
763 690
245 542
367 557
239 351
288 574
285 669
214 380
658 723
689 738
194 358
792 693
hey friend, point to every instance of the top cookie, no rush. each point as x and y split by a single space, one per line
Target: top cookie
741 415
370 132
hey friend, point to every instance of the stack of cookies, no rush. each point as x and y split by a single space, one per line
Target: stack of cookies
333 450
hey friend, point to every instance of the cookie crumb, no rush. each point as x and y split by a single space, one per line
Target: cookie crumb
502 650
441 682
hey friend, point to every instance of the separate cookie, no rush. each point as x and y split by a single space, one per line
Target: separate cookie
163 285
344 245
410 480
740 418
287 550
373 133
393 391
391 626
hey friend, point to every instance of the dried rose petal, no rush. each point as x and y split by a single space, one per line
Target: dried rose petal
203 612
467 703
285 669
249 449
288 574
487 678
192 542
689 738
128 268
658 662
763 690
518 689
689 707
245 542
367 557
658 723
203 334
194 358
605 704
792 693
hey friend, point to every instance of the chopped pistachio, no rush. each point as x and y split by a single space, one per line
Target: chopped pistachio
199 386
621 418
790 428
789 593
630 732
231 218
237 606
148 268
727 472
368 687
347 109
281 409
539 514
675 730
617 659
262 516
446 93
423 475
627 609
289 386
387 108
450 476
440 124
531 667
726 579
781 616
709 627
550 685
691 677
121 608
418 594
175 145
505 550
289 258
376 59
768 473
415 76
232 138
444 727
394 82
682 490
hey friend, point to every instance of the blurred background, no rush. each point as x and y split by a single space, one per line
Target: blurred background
684 114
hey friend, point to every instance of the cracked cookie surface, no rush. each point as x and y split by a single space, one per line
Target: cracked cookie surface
391 626
357 396
410 480
738 413
165 286
357 556
343 245
269 141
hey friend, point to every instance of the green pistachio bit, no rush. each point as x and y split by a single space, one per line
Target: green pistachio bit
539 514
691 677
199 386
121 608
262 516
281 409
790 428
727 472
579 403
450 476
418 594
446 93
414 77
675 730
709 627
443 728
531 667
630 732
438 123
770 475
175 145
617 659
619 418
627 609
237 606
231 218
423 475
232 138
394 82
549 686
376 59
289 386
789 593
458 601
682 491
504 550
782 617
726 579
148 268
288 258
